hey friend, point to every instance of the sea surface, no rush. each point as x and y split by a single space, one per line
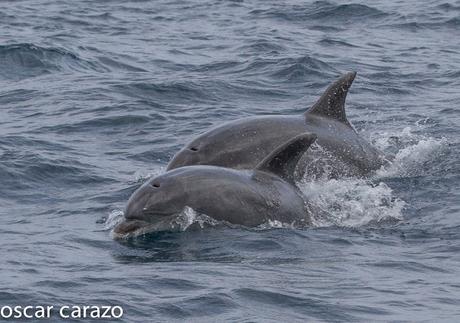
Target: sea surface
97 96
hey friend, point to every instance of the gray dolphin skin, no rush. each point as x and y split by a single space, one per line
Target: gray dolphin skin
242 144
242 197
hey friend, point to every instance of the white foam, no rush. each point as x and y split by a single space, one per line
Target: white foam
176 223
189 216
142 176
350 202
115 217
412 152
354 202
275 224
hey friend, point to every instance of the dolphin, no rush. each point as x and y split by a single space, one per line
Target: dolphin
242 144
242 197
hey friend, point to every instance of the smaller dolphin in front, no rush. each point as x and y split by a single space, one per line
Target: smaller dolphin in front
243 143
242 197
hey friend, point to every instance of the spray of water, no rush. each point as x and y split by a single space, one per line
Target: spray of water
350 202
353 202
412 151
188 218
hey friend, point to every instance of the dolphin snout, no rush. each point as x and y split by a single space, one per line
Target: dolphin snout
128 227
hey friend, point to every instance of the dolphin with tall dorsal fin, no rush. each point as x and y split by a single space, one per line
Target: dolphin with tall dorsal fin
243 143
242 197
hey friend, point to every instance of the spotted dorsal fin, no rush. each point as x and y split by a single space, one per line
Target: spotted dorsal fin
284 159
332 103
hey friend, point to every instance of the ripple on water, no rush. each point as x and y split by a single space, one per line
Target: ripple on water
324 11
26 60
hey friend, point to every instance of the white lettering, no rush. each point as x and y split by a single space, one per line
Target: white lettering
65 312
120 312
76 312
106 315
25 312
40 312
85 308
48 311
95 312
6 308
61 312
17 311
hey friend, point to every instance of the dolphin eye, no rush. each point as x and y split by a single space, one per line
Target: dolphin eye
156 185
193 149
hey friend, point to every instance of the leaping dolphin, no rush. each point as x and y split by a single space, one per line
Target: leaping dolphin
242 197
242 144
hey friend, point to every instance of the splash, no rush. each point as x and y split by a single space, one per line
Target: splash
275 224
354 202
350 202
410 152
142 176
115 217
188 219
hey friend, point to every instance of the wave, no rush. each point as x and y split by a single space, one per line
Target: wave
329 10
23 169
448 7
334 42
29 60
326 12
288 68
261 46
26 60
106 124
179 90
434 17
113 64
291 69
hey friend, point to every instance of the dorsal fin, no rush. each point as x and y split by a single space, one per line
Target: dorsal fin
284 159
332 103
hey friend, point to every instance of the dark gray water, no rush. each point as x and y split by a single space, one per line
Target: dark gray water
96 96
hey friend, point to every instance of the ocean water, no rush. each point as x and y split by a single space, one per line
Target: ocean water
96 96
